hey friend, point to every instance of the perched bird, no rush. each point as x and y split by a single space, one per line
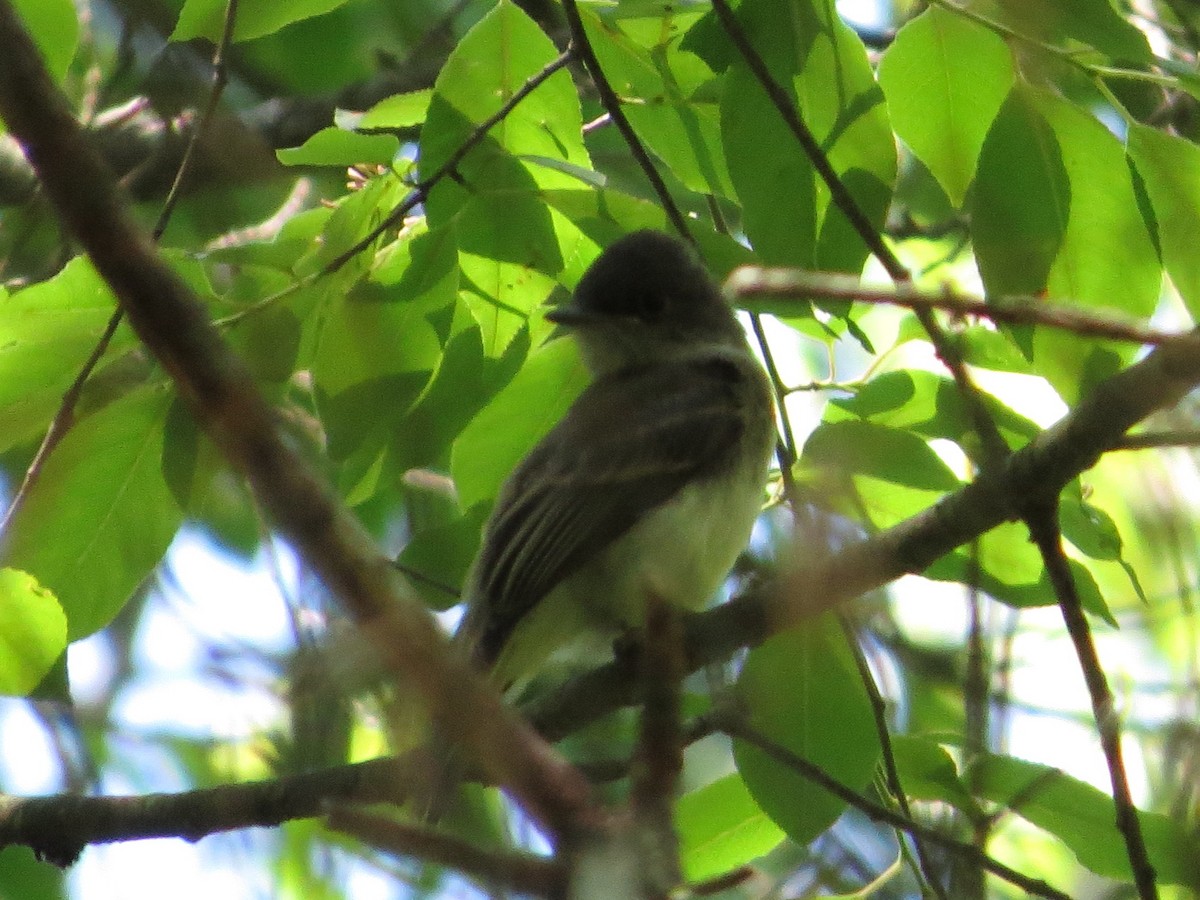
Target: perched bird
650 483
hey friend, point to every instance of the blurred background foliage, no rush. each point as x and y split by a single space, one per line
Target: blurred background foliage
158 638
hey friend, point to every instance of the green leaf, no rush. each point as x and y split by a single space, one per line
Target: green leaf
670 100
1021 204
355 216
881 475
490 64
101 516
931 406
255 18
1091 22
509 237
47 331
721 828
464 382
774 181
927 772
335 147
1170 169
1084 818
986 348
945 78
1107 259
24 875
1009 567
496 439
889 454
787 211
376 352
54 27
33 632
397 111
852 126
438 557
802 691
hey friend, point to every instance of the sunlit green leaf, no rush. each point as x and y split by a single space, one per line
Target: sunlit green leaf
1170 169
397 111
495 199
721 827
101 515
46 333
335 147
1106 260
945 78
496 439
33 631
660 86
255 18
54 27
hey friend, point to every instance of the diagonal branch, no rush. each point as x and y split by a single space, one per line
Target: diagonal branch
994 447
225 400
1044 529
612 105
1040 469
735 728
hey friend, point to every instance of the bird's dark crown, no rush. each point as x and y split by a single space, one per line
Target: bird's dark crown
653 278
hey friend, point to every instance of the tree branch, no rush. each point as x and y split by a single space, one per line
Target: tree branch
57 828
735 728
224 398
1040 469
1044 529
755 281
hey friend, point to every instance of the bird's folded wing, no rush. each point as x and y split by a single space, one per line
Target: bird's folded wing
627 445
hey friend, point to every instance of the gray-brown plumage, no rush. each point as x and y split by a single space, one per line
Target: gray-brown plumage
650 482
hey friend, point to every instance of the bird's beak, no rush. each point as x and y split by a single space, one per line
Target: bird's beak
567 317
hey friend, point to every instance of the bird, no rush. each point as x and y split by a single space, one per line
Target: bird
648 486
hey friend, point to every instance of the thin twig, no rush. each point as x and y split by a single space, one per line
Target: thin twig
64 417
754 281
421 190
927 869
1044 529
734 727
220 78
612 105
993 444
1153 440
788 457
493 870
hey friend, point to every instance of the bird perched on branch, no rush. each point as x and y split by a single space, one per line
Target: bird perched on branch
651 482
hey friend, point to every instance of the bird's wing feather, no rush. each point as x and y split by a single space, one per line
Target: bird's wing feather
642 435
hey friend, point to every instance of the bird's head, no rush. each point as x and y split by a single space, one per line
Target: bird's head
646 298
